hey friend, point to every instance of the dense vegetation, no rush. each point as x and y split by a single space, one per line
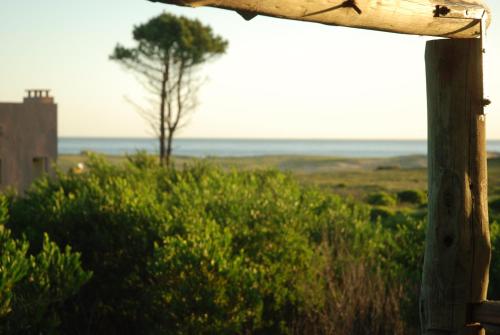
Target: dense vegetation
199 250
33 287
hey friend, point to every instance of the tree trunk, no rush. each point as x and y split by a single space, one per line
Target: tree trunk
162 114
168 155
162 134
458 248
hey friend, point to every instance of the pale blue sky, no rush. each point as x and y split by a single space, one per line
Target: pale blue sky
279 79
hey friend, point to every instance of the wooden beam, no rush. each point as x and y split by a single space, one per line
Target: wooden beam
447 18
487 312
458 248
491 329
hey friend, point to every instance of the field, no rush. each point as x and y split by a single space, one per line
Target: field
352 177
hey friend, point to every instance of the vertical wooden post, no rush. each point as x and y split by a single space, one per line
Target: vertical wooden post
457 255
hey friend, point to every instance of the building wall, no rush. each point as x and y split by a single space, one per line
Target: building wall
28 141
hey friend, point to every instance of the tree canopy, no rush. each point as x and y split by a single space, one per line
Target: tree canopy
169 37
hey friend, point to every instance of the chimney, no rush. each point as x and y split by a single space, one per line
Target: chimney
39 96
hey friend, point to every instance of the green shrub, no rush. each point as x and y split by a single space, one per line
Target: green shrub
115 216
414 197
381 199
204 286
142 160
14 265
380 212
111 216
33 288
494 287
495 205
203 251
388 167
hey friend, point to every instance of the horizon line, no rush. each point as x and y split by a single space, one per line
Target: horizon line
247 138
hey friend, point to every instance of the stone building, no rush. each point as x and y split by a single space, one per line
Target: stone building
28 139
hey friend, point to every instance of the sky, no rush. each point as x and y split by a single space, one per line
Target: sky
279 78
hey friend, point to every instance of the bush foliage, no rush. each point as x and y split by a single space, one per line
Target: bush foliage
495 205
35 287
381 199
205 251
415 197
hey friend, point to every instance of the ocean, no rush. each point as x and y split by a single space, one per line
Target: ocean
253 147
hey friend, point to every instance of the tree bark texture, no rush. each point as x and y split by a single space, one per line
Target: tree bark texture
458 250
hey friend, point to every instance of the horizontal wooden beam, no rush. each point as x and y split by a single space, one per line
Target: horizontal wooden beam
487 312
491 330
445 18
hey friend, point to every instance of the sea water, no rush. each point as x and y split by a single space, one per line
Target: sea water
253 147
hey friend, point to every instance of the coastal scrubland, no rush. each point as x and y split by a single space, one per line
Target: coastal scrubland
263 245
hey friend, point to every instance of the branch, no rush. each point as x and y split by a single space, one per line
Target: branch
147 115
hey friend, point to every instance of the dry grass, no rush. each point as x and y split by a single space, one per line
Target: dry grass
354 299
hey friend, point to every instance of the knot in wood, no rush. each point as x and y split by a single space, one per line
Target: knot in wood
486 102
351 4
448 241
441 11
